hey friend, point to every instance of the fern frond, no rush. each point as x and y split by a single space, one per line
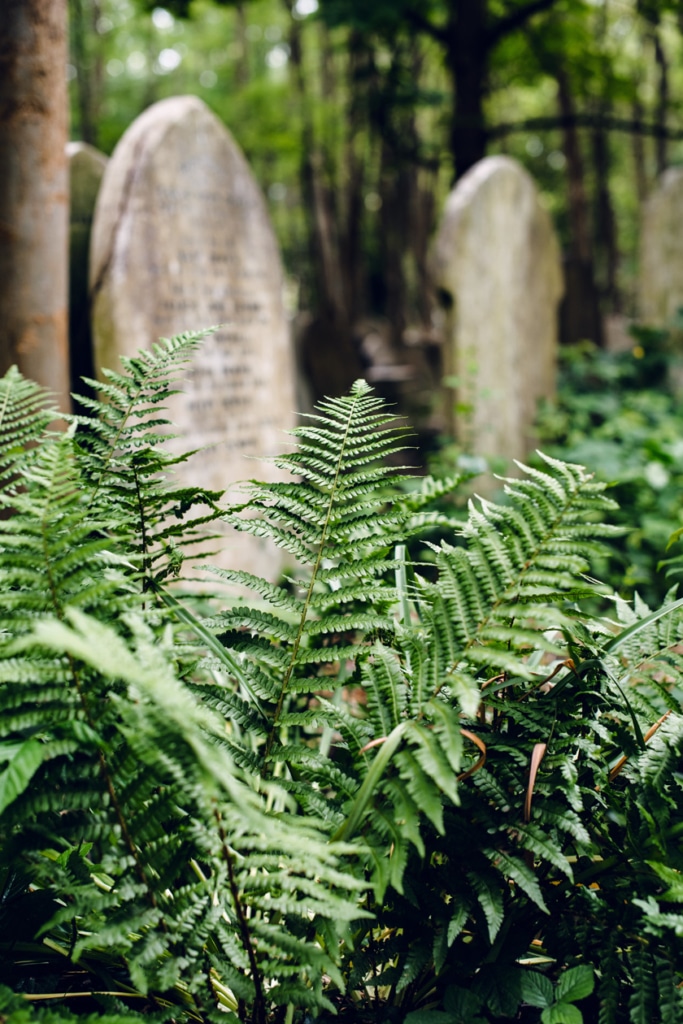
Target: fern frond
121 455
26 410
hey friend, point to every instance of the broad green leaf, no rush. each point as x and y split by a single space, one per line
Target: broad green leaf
462 1004
562 1013
537 990
576 983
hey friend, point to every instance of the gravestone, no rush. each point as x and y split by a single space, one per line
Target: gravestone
182 240
86 169
660 284
497 267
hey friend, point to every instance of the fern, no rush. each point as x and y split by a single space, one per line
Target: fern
117 791
367 781
126 466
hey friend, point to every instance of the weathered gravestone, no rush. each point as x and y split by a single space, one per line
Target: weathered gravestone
182 240
660 285
86 169
498 270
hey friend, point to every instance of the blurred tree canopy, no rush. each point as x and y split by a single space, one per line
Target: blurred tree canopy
357 115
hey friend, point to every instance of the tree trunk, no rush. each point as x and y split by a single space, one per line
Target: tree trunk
662 103
84 84
34 192
605 220
242 69
467 57
639 153
359 71
330 360
580 317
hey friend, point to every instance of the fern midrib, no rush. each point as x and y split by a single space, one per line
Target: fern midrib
259 1011
113 446
146 561
309 594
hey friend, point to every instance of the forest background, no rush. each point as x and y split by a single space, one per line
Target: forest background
357 117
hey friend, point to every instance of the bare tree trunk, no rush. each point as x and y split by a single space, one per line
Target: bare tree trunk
662 102
639 153
84 91
34 192
581 313
331 360
394 223
359 70
467 57
605 220
242 70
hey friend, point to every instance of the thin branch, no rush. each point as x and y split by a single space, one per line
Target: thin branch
607 122
515 19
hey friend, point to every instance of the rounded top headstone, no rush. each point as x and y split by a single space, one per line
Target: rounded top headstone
660 279
497 264
181 241
494 208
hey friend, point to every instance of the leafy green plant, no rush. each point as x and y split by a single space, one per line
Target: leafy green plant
620 414
372 791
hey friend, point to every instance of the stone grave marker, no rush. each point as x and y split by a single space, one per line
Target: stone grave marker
182 240
497 267
86 169
660 279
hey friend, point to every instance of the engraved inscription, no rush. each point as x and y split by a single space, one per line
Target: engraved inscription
194 248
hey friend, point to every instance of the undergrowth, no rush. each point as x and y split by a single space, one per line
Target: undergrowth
441 797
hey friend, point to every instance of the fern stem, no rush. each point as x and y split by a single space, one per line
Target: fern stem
146 562
112 447
259 1012
309 593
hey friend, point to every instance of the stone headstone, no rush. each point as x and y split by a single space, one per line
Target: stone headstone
498 270
181 241
660 284
86 169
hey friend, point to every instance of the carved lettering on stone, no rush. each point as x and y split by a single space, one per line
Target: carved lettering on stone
181 241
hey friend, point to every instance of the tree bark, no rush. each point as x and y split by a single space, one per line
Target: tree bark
639 154
605 221
467 57
359 72
581 312
84 83
662 102
34 192
329 357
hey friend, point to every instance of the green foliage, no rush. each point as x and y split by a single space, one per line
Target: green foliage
374 790
619 414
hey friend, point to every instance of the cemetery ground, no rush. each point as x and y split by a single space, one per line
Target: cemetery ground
409 783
